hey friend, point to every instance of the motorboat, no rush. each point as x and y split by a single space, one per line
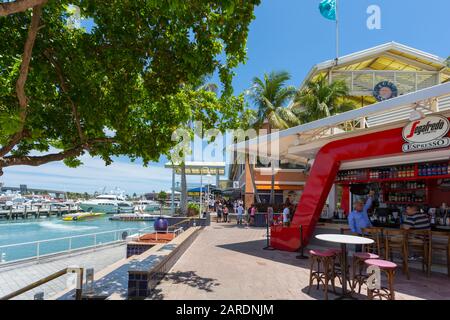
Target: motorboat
107 203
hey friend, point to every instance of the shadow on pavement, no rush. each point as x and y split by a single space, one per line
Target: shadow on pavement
189 278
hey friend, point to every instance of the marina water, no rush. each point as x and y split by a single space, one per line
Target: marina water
54 228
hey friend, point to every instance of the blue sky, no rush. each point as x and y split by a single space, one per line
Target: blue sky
286 35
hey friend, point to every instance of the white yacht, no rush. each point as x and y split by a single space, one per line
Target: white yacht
147 206
107 203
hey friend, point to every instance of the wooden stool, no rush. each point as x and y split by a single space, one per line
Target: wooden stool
324 272
337 265
388 268
419 242
359 276
397 242
441 243
376 234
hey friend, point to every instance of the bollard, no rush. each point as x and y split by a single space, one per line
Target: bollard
268 247
301 256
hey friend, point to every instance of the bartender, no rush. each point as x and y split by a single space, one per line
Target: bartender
358 219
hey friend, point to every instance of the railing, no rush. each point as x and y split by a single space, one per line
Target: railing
78 289
362 82
36 250
141 232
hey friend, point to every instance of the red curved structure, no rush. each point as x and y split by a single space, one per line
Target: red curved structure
321 179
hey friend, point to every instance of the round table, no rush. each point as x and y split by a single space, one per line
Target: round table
344 240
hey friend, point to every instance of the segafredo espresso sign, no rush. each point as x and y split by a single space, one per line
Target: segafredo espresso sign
426 134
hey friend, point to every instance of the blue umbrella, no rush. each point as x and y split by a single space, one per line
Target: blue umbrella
328 9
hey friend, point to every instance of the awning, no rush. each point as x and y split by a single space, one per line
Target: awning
300 144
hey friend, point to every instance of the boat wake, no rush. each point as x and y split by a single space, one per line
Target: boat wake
65 227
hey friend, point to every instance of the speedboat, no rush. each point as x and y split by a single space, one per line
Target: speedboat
107 203
82 216
147 206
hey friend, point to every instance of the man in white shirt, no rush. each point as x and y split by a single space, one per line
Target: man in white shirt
240 213
286 215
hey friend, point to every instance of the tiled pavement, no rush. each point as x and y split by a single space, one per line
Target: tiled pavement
227 262
15 277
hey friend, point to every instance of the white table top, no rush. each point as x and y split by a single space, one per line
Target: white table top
344 239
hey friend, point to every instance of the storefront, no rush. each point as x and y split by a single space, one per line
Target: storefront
404 162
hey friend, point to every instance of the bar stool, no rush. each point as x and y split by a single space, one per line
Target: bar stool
397 242
324 272
419 242
359 276
388 268
376 234
440 242
337 265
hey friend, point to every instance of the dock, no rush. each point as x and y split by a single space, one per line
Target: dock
36 212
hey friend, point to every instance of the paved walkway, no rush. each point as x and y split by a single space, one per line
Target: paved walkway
227 262
18 276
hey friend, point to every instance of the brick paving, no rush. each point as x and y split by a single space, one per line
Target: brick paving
227 262
15 277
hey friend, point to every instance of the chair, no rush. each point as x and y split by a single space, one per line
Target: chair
419 242
376 234
396 241
359 276
388 268
440 242
324 273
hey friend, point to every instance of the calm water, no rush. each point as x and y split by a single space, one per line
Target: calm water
52 228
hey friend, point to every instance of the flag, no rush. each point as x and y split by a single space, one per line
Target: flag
328 9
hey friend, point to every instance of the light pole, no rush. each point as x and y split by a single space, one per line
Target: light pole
201 191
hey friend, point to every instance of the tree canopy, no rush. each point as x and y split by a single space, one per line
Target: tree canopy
321 99
117 89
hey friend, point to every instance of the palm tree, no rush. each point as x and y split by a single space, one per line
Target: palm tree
271 96
203 86
321 99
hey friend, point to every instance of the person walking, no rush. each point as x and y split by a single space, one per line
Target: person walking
225 214
219 212
240 213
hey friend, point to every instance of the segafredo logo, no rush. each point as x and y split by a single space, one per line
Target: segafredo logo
426 134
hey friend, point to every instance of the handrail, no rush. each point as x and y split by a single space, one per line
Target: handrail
115 239
49 278
181 222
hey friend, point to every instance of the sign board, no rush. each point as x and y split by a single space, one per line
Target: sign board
426 134
385 90
236 185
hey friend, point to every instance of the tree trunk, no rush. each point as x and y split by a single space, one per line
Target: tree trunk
272 183
183 200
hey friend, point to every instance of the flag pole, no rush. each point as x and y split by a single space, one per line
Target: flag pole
337 31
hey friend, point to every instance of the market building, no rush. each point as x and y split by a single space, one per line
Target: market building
396 144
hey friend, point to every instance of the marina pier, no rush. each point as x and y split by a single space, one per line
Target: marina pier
36 211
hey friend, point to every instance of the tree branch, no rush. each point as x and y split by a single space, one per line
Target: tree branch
23 75
17 6
40 160
65 89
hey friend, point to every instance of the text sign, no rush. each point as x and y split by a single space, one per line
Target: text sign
426 134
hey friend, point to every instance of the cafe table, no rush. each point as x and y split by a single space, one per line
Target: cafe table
344 240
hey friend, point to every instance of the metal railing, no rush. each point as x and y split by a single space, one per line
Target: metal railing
38 250
75 270
144 231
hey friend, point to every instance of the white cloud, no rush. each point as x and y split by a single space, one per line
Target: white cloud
92 176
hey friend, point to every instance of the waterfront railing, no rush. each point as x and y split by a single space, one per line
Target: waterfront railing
37 250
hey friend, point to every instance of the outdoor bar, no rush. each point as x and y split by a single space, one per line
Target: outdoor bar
403 161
